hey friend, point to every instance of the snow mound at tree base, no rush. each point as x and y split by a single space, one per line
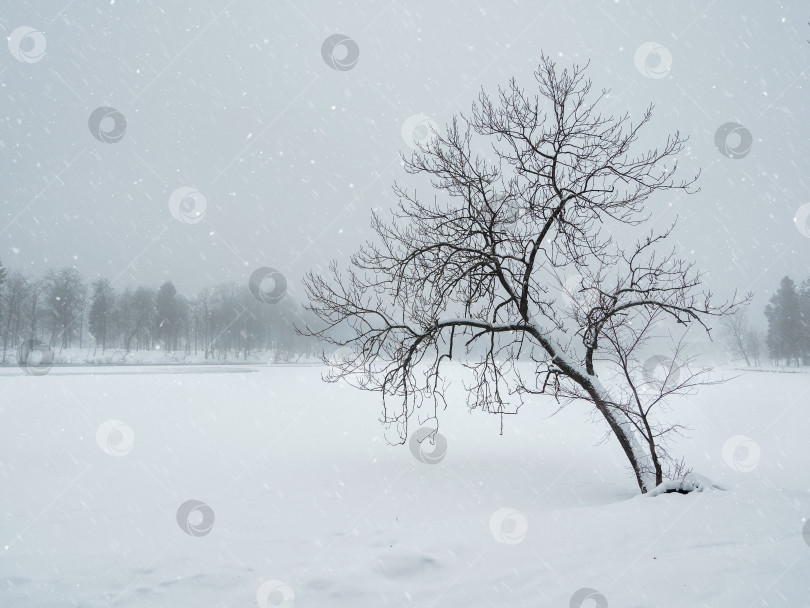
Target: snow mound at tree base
691 482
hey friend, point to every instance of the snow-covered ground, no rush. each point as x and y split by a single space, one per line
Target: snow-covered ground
311 507
115 356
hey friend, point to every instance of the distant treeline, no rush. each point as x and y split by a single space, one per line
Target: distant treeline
62 310
787 338
788 315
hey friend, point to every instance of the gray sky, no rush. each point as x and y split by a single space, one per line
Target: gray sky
233 99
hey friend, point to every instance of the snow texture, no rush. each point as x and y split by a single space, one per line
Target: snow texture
309 505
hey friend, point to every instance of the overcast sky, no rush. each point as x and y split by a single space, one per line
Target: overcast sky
234 100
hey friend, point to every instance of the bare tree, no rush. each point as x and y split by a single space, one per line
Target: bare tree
13 298
135 314
101 311
65 296
755 339
36 289
641 390
491 264
735 332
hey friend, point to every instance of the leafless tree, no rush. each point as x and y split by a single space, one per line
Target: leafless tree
642 390
36 290
755 339
517 263
12 299
735 332
65 296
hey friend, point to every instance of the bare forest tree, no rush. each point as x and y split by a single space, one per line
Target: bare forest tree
13 298
735 331
517 263
36 289
65 298
755 339
101 312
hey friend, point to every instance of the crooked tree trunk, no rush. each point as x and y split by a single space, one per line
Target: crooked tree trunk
640 460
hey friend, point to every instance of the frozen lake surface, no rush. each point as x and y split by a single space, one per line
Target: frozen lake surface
299 486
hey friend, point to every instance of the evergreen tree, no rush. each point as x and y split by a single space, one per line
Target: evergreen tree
784 322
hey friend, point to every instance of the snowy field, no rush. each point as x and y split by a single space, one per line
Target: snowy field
311 507
115 356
